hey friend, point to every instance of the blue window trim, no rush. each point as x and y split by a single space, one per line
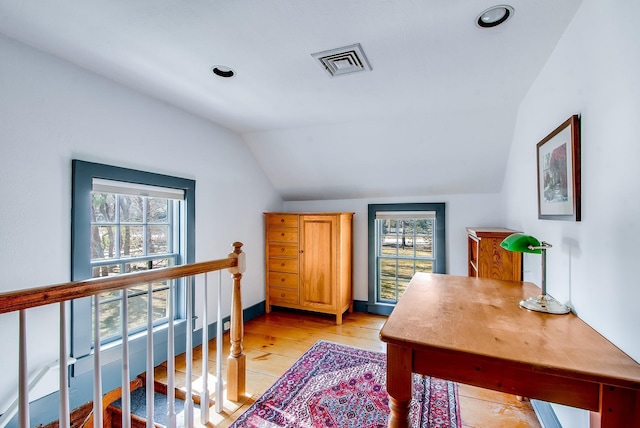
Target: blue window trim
83 174
373 305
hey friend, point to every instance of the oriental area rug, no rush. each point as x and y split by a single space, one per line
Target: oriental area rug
337 386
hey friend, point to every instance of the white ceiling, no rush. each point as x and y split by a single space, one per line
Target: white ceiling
434 116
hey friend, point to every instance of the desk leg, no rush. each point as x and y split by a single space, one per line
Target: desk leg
619 407
399 385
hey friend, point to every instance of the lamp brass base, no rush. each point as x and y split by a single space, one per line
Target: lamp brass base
545 303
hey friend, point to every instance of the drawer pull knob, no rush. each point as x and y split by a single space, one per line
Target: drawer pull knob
281 220
281 279
281 264
282 234
282 249
282 295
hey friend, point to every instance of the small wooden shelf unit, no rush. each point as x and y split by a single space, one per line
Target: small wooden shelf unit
487 259
309 262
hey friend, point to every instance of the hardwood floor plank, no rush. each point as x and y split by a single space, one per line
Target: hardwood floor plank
476 413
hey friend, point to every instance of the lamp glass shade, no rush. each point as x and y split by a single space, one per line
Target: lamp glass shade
521 243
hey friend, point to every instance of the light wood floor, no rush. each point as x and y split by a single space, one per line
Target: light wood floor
273 342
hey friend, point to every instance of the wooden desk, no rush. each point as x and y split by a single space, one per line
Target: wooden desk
471 330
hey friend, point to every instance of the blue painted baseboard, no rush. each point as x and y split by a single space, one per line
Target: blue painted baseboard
545 414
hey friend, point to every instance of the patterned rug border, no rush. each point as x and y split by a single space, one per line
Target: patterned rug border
272 404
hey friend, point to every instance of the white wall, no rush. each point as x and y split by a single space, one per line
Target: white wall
52 112
460 211
593 266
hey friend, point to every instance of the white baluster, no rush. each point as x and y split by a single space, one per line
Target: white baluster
23 378
171 364
204 395
126 388
64 369
188 402
150 363
219 381
97 370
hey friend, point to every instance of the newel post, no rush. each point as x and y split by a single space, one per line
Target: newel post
236 363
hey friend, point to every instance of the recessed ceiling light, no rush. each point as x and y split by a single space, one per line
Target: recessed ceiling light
222 71
495 15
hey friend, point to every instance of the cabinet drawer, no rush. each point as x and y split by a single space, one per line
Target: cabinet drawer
283 250
284 220
283 265
282 234
285 280
283 296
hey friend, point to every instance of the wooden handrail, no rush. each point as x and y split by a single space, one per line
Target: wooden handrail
21 300
33 297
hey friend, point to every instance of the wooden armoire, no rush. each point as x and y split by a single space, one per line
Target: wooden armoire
309 261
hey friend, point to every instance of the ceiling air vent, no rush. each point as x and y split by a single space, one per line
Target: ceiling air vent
341 61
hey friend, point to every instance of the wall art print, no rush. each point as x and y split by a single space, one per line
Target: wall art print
559 172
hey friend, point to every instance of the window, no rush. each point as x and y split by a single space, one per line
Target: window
126 221
133 228
403 239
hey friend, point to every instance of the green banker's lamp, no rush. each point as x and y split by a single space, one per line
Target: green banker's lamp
521 243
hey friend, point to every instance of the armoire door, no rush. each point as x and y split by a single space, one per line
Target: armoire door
318 261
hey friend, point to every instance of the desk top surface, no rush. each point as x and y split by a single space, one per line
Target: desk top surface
480 316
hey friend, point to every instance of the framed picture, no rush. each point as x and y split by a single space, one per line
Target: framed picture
559 172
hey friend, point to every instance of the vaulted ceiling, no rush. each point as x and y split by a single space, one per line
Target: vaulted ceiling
435 115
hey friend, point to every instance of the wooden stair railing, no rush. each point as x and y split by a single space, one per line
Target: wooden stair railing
22 300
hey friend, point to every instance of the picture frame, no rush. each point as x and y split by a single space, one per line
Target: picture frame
558 165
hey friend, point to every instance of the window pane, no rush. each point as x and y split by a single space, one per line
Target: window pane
408 227
157 210
388 268
158 239
131 209
389 245
109 318
424 266
103 207
160 304
387 226
102 242
160 263
137 311
136 266
424 246
402 287
106 270
132 241
405 270
388 289
108 296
